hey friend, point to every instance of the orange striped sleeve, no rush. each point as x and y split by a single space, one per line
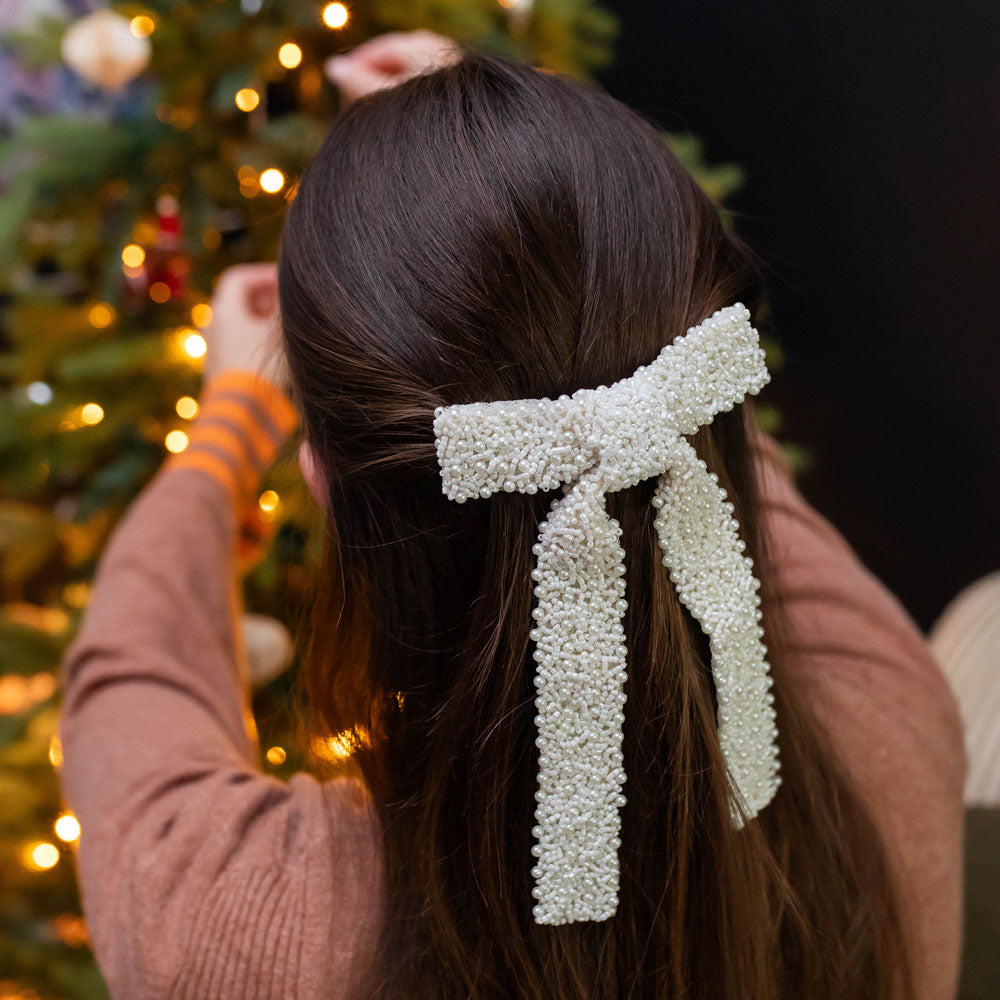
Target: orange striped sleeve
242 421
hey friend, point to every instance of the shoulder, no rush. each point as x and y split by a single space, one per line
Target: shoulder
849 633
868 676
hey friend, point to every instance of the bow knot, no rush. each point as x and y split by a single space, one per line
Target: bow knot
595 442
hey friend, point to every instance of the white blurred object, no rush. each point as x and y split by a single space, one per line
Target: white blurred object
102 49
965 641
268 647
25 15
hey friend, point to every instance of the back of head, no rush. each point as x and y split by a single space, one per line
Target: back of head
489 232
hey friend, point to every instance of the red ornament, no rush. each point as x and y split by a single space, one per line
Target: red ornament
167 266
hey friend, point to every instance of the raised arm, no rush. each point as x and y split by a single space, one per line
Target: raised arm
200 875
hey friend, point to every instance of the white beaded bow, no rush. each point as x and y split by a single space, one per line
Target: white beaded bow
595 442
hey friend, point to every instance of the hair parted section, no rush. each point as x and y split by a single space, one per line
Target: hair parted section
487 232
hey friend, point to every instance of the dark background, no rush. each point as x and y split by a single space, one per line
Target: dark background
870 136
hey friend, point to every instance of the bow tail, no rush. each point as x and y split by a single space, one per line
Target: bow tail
580 672
700 542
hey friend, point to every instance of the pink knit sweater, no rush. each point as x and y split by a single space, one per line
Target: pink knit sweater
203 877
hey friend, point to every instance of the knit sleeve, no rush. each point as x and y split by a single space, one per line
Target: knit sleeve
200 875
868 674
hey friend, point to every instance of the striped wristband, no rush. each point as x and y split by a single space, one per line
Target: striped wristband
242 421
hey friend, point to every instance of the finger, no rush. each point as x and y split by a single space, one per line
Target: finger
238 274
386 42
354 79
261 297
397 51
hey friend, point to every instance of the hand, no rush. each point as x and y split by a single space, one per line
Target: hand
388 60
245 330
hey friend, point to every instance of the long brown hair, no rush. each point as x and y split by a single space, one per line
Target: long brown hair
487 231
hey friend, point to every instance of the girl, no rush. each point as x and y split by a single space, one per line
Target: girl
485 231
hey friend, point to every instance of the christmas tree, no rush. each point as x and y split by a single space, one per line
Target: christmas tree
143 149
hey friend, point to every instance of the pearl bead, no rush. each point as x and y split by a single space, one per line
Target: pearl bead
595 442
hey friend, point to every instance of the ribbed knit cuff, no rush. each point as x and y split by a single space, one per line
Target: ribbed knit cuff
242 421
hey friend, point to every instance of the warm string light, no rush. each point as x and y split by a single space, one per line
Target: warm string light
272 180
186 344
186 407
159 292
41 856
201 315
67 828
247 99
19 693
87 415
269 501
276 756
101 315
176 442
133 255
195 345
289 55
249 184
91 414
142 26
335 15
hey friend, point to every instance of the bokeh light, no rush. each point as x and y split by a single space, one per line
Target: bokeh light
41 856
142 26
67 828
101 315
201 314
187 408
91 414
133 255
335 15
272 180
247 99
176 442
195 345
289 55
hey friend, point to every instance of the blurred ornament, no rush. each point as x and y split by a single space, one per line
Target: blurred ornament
103 49
268 646
159 272
40 393
166 263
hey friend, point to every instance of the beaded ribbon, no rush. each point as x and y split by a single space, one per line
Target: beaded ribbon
591 443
